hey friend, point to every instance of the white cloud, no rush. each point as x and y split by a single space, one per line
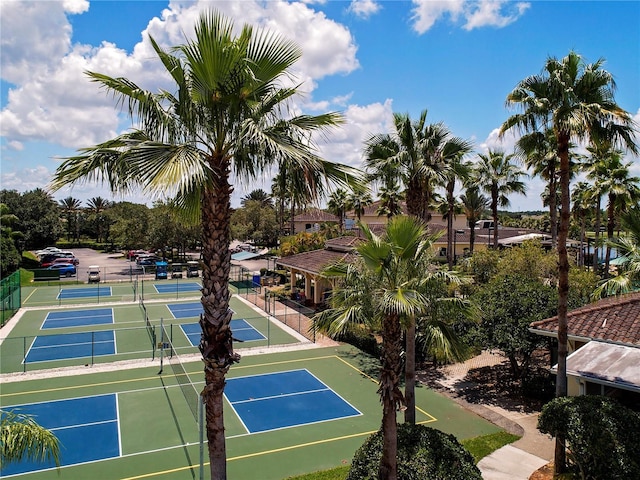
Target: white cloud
54 101
364 8
494 13
474 13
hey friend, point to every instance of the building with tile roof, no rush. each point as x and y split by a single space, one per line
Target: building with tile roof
603 347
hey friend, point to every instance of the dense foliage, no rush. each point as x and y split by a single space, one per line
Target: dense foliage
603 437
423 453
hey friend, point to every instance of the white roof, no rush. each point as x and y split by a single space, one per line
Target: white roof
606 363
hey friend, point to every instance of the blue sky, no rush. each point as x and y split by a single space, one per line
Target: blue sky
457 59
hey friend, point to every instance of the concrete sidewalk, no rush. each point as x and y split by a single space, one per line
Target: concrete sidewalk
510 463
519 460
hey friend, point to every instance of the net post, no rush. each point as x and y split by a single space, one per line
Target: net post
161 345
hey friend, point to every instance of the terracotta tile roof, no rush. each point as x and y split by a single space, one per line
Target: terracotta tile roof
343 243
316 260
613 319
316 215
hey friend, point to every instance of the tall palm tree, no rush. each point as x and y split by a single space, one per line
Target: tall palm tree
225 117
500 177
411 155
576 100
621 189
22 438
581 203
382 290
338 204
474 205
358 201
258 195
456 170
539 152
628 246
70 207
97 206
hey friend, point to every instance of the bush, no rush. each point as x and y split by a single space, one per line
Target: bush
365 342
603 437
423 453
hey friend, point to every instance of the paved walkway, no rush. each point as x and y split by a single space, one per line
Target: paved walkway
518 460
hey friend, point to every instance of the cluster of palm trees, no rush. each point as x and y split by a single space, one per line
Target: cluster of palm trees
74 213
228 116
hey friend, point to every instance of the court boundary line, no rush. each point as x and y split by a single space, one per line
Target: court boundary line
113 318
114 341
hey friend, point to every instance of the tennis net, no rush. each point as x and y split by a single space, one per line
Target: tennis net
191 394
151 330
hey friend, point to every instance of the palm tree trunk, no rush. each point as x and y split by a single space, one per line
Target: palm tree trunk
472 236
450 233
563 289
611 225
553 208
596 237
390 395
494 211
410 375
216 342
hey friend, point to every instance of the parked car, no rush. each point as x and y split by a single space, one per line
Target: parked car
147 260
47 251
72 260
65 269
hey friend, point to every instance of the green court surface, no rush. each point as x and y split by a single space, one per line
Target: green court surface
159 436
133 340
51 295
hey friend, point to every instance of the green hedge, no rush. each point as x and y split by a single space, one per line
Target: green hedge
423 453
603 436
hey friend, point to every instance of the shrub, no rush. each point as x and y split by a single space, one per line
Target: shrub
603 437
423 453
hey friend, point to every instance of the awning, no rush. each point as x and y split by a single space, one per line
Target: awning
606 363
245 255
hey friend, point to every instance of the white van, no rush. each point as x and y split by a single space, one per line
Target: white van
93 274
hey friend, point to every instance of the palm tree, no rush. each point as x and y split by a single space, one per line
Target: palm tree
258 195
22 438
97 205
338 204
499 177
358 201
474 205
411 155
224 118
582 201
539 152
70 207
628 247
621 189
456 170
576 101
382 290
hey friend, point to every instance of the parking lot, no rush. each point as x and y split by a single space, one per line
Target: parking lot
114 267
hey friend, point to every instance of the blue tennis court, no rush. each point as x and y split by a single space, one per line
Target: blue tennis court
71 345
284 399
78 318
186 310
242 330
84 292
177 287
87 429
